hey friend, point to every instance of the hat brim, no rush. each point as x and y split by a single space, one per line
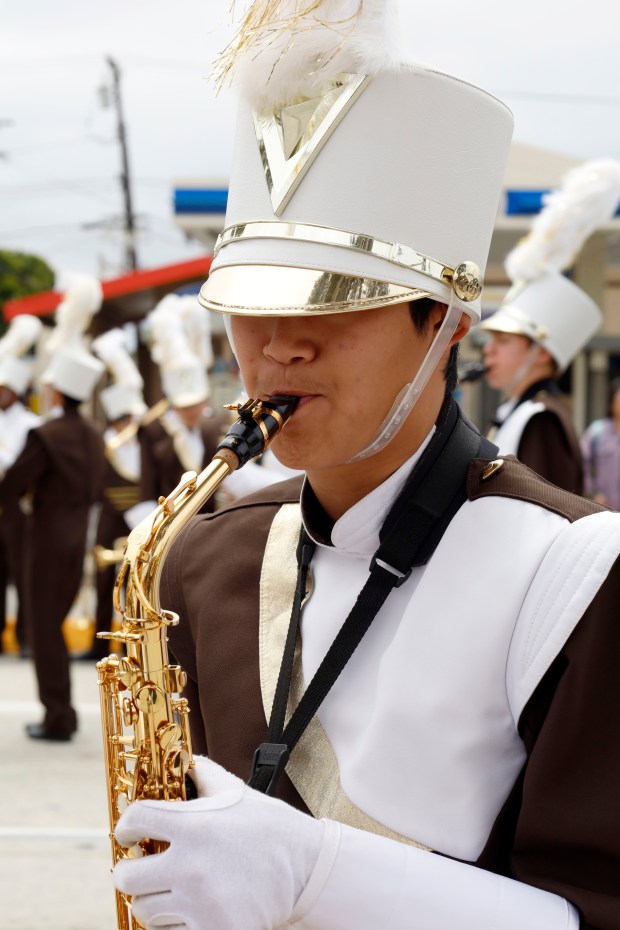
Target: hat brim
276 290
501 323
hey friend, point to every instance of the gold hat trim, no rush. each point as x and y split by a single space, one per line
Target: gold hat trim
290 138
268 290
465 279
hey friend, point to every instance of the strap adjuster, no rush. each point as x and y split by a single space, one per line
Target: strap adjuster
272 756
398 577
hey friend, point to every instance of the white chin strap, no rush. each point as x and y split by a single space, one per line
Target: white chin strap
408 397
523 370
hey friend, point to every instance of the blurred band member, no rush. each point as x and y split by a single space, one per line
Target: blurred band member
542 325
123 405
61 465
16 419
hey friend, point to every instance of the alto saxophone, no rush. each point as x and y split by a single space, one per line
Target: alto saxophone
146 737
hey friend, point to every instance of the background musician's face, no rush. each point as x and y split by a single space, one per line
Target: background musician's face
348 369
504 355
192 415
514 362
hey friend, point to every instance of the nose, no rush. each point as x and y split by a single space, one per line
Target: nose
289 340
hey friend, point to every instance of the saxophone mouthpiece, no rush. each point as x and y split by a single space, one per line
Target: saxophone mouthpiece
259 423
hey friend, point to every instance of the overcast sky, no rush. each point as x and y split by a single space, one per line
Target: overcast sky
60 195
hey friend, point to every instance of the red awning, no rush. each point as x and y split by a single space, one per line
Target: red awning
169 276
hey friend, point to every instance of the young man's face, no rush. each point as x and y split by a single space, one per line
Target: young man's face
505 355
348 369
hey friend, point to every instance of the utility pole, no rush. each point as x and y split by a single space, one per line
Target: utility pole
131 259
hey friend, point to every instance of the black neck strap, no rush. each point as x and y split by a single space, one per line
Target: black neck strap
410 534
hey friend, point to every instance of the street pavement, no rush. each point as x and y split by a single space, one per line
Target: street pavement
54 849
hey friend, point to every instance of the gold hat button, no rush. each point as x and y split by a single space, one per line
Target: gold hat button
491 469
467 281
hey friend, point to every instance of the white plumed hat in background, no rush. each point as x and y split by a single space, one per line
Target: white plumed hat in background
358 180
73 370
543 304
15 370
124 396
183 372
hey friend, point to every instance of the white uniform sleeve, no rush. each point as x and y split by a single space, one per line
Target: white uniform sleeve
366 882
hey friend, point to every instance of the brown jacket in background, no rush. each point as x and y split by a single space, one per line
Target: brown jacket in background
161 466
61 466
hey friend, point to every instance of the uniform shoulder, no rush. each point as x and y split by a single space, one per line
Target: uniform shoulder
511 478
248 512
241 529
280 492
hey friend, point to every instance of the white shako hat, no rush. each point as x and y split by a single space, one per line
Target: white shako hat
74 372
16 374
15 370
543 304
358 180
183 372
124 396
72 369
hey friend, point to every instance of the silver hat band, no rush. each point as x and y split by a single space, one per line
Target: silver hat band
465 279
510 319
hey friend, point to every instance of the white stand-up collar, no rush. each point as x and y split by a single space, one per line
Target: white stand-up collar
357 530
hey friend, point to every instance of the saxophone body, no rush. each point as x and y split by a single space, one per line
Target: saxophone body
146 735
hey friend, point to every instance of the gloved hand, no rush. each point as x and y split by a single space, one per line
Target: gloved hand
237 860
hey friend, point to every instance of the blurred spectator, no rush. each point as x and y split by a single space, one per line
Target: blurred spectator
600 447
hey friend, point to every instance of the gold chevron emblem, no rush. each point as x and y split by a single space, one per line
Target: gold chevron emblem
291 138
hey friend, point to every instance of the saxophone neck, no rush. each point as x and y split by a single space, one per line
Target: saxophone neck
258 424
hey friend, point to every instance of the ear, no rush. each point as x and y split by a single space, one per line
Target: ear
544 357
436 318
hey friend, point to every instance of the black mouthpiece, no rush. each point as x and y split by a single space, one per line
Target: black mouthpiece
259 422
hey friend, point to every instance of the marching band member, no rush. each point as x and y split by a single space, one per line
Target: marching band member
454 760
185 436
16 420
123 405
61 466
542 325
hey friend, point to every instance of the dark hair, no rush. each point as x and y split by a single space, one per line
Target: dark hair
71 404
420 311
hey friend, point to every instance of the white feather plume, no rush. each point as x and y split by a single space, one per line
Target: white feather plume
170 346
82 299
588 196
286 50
112 349
20 337
197 325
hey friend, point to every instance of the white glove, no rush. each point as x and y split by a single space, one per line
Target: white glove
237 860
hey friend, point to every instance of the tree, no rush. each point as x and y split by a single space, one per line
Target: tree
20 275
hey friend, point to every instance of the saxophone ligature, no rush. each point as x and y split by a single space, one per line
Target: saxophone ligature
146 737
